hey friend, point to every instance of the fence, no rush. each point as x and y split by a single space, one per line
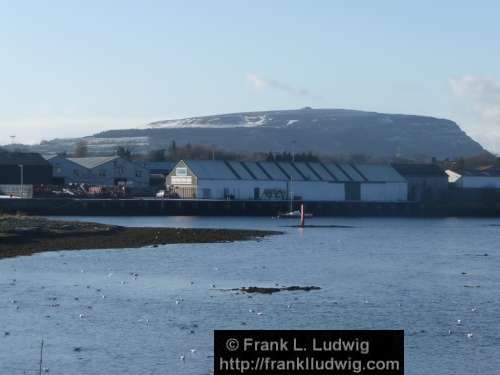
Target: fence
16 191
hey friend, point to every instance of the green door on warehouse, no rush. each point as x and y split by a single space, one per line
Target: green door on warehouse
352 191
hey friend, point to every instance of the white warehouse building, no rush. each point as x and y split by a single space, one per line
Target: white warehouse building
308 181
475 178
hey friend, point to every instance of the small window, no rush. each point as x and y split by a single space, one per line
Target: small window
181 171
58 170
102 173
76 172
138 173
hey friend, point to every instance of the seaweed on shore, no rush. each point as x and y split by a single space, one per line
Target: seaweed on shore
22 235
320 226
271 290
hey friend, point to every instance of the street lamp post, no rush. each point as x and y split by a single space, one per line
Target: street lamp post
21 166
291 178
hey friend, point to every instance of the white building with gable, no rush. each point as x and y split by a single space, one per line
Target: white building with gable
308 181
475 178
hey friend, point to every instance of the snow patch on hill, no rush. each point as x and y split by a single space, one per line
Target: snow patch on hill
245 121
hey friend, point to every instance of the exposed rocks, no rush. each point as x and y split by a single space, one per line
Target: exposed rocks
271 290
22 235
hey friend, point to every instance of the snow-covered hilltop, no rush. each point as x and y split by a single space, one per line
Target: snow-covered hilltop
321 131
223 121
276 119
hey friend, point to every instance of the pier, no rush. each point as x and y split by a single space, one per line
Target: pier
208 207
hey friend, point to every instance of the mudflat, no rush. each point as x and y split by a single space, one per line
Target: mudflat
25 235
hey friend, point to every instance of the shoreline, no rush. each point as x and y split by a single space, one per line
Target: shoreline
22 236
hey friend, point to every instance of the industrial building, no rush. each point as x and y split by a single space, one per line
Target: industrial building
307 181
31 168
158 171
426 182
101 171
475 179
20 171
158 167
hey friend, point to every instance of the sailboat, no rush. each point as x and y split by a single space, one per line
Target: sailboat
293 214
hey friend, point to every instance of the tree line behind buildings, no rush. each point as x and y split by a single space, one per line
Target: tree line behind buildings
174 152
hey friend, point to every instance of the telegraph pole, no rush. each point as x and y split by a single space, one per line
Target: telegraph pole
21 166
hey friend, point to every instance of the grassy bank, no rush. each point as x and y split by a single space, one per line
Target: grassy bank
23 235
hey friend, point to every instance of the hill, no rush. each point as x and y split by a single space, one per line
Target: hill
322 131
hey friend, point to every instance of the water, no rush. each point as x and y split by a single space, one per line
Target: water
380 274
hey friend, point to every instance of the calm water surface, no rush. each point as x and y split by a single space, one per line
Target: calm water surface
418 275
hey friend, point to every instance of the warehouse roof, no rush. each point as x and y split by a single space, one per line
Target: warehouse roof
291 171
350 172
419 170
49 156
22 158
240 170
300 171
380 173
322 172
92 162
273 170
255 170
158 167
211 169
307 172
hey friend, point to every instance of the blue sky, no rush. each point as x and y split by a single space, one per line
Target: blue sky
72 68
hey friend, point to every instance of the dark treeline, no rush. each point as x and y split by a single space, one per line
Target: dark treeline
188 151
474 162
287 156
200 152
174 152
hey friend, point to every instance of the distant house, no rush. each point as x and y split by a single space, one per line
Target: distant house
35 169
308 181
159 167
158 171
102 171
475 178
426 182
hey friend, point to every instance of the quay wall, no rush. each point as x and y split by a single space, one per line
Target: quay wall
205 207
